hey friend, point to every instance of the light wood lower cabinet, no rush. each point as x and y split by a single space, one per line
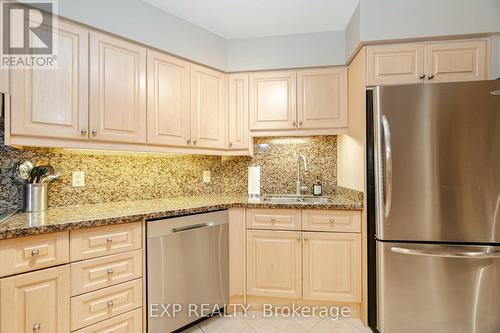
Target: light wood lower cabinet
305 265
130 322
105 303
274 263
36 302
332 266
34 252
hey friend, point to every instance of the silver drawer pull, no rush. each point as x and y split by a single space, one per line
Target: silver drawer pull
109 239
110 271
35 253
273 220
332 220
110 304
36 327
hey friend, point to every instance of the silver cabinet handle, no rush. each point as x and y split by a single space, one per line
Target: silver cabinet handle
35 253
332 220
109 239
300 123
294 124
430 77
110 304
298 238
273 219
388 166
37 327
305 238
194 142
483 252
83 131
422 76
110 271
188 142
230 144
94 132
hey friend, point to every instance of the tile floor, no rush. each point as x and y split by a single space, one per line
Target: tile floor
254 322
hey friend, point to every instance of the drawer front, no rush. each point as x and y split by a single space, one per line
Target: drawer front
106 303
130 322
93 274
33 252
279 219
102 241
331 220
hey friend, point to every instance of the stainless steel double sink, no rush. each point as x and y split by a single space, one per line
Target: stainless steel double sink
296 199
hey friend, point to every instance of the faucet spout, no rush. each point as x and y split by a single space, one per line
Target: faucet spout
299 184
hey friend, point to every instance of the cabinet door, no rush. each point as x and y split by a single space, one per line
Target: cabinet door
52 103
274 263
322 98
117 90
456 61
168 100
238 132
208 108
394 64
36 302
272 101
332 266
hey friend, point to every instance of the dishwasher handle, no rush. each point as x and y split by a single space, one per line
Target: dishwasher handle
191 227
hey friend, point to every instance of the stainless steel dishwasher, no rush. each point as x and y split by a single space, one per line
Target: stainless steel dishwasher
187 260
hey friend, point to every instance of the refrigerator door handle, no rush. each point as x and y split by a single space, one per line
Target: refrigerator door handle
388 166
474 252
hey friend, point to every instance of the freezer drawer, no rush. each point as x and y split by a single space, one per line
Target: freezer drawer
425 288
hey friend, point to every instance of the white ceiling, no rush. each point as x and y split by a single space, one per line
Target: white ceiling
258 18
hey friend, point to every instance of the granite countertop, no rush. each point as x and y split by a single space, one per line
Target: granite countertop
79 217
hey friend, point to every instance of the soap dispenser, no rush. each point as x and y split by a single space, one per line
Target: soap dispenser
317 188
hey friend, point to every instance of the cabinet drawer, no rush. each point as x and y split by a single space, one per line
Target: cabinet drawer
280 219
101 241
103 304
331 220
130 322
33 252
93 274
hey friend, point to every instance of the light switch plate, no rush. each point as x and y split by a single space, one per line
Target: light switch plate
206 176
78 179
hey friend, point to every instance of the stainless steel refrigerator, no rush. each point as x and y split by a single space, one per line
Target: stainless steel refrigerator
434 206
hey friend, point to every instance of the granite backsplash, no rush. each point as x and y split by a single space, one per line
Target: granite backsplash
117 176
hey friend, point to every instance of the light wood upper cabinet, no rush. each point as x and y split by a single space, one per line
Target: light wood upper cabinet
117 90
272 100
208 108
456 61
52 103
274 263
394 64
450 61
332 266
36 302
322 98
168 100
238 131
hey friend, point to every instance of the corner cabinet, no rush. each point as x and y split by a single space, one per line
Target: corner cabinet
238 131
208 108
117 90
449 61
53 103
169 100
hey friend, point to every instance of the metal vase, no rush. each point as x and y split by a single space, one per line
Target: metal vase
35 197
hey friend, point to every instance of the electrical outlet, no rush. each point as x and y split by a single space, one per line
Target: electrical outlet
78 179
206 176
